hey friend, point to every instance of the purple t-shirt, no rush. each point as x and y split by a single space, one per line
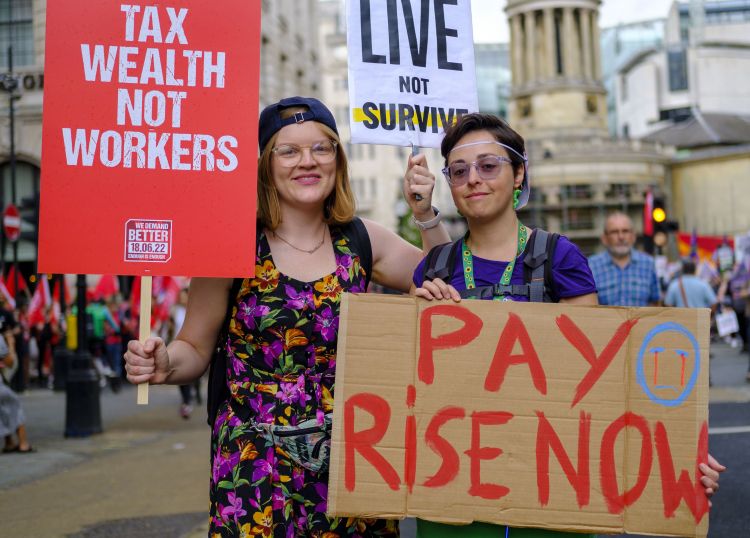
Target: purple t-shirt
571 275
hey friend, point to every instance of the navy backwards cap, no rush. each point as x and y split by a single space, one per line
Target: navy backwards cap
271 121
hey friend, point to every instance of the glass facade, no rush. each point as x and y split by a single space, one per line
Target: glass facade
493 77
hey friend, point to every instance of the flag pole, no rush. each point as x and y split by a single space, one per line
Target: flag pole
144 329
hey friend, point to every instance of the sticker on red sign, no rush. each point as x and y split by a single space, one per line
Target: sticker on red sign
148 240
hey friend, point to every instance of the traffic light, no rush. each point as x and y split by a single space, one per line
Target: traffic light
662 225
29 210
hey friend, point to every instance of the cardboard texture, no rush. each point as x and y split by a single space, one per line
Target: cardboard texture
588 419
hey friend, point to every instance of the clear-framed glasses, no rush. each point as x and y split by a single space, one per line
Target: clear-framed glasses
291 154
487 167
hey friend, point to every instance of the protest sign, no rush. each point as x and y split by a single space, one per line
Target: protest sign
150 138
411 69
590 419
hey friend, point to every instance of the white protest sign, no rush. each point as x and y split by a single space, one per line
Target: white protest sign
411 69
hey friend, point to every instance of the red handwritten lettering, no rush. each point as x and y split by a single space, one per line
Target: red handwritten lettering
674 490
449 468
616 503
363 441
599 364
514 331
580 478
477 453
410 440
460 337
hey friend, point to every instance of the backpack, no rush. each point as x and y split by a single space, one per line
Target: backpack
537 270
218 392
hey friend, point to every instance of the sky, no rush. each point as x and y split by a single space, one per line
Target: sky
490 25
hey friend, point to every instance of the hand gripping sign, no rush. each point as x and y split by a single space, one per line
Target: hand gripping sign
589 419
150 138
411 69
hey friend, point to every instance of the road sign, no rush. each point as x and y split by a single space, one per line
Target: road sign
12 223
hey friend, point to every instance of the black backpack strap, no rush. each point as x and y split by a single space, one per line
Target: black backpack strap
441 261
538 266
218 392
356 232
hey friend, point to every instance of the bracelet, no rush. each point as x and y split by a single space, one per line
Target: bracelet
426 225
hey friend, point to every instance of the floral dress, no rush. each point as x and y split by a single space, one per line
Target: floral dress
281 351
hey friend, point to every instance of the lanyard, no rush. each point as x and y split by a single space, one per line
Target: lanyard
468 260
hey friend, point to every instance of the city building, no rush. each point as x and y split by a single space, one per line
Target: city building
691 94
493 77
290 65
619 45
558 103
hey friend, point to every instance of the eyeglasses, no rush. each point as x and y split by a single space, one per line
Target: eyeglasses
291 154
487 167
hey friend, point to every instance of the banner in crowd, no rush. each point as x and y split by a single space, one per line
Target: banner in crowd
588 419
411 69
150 138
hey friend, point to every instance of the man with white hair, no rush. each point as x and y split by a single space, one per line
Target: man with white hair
624 276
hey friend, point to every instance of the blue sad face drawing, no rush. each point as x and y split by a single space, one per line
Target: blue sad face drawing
668 374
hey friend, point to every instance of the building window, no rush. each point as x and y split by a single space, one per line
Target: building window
623 89
16 30
677 66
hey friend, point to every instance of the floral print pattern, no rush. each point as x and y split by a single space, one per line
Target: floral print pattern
282 358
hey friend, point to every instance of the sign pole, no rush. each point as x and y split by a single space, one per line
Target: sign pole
144 329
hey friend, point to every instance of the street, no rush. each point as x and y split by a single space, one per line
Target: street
147 474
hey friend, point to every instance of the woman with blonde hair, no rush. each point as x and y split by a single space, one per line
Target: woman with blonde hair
269 443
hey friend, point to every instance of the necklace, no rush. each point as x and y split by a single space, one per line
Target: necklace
305 250
468 260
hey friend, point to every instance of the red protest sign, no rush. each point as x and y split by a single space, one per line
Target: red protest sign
12 223
150 138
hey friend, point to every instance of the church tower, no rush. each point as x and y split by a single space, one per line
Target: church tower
558 104
556 68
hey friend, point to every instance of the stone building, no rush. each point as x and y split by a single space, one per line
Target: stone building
558 103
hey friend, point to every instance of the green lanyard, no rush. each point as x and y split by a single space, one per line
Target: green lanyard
468 260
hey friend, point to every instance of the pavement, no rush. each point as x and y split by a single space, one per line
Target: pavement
147 474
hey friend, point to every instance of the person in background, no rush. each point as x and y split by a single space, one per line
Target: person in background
624 276
689 291
281 335
113 342
12 417
176 319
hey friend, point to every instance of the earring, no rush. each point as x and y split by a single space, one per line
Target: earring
516 195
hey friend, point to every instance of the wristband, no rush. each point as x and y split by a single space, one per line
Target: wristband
426 225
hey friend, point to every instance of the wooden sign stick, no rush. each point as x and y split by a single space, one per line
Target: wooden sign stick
144 330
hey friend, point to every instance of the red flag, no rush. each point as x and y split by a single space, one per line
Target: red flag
8 296
39 301
648 209
10 282
166 292
56 310
135 297
106 287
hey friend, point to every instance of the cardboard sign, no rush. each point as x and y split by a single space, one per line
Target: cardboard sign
411 69
150 138
590 419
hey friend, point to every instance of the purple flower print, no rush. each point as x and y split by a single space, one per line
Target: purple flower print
272 351
290 393
266 467
297 301
234 510
247 312
223 465
263 413
327 324
298 478
343 263
321 488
